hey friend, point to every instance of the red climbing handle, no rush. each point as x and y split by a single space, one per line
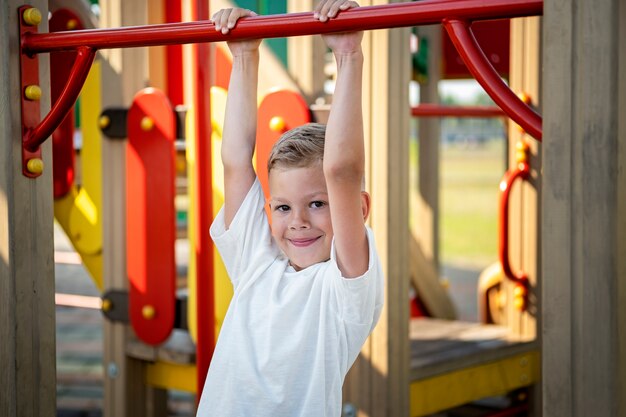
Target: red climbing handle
522 171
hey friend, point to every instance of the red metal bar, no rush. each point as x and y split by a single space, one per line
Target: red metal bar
486 75
522 171
294 24
78 75
205 301
435 110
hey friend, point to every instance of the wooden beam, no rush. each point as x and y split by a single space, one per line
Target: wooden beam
524 242
27 327
583 223
378 384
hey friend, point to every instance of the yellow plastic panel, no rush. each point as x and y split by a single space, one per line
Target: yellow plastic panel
455 388
172 376
80 212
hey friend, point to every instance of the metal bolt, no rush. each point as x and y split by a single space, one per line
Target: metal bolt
71 24
349 410
112 370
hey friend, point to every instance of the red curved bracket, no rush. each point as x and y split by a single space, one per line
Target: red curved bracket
521 172
480 67
36 136
63 137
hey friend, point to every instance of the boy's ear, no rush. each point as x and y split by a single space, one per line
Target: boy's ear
365 204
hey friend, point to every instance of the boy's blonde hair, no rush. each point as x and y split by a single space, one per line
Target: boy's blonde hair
299 147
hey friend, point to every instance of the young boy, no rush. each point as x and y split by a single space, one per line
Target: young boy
308 289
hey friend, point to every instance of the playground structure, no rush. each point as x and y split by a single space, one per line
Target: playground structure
579 206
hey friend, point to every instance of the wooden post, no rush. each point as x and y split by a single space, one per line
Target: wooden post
524 242
426 213
27 328
583 209
378 384
123 74
306 57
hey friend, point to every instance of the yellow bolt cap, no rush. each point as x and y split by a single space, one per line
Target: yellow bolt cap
104 121
71 24
146 123
277 124
35 166
519 303
107 304
525 97
32 16
148 312
32 92
522 146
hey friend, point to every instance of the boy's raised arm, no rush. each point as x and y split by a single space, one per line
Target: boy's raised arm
239 133
344 153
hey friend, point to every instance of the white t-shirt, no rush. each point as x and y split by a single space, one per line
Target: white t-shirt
289 337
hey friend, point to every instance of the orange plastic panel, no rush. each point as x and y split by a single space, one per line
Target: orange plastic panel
279 112
150 215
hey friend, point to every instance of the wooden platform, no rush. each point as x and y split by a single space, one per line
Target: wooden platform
453 363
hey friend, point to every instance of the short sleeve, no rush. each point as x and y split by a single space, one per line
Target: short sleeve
361 298
248 240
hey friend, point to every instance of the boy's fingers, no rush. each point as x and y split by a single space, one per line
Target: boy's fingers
216 19
323 9
337 6
318 8
224 20
349 5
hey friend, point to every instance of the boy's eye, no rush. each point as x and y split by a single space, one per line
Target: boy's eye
318 204
282 207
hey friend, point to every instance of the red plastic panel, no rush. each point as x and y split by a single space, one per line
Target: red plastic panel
292 109
63 137
493 38
150 215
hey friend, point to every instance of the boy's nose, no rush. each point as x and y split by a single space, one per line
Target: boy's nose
299 220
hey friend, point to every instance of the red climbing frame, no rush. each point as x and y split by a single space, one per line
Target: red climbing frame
456 15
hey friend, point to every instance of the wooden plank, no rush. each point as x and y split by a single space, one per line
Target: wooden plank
305 55
426 213
525 197
27 330
443 346
124 73
581 321
621 203
383 367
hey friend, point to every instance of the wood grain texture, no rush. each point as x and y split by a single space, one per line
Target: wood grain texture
581 214
27 330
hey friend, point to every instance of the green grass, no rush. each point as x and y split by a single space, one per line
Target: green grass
468 202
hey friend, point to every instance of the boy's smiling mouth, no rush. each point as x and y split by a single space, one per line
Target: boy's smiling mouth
303 242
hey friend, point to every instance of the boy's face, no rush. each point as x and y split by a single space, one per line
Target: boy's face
300 214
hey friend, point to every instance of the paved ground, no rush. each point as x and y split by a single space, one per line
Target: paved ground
79 343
